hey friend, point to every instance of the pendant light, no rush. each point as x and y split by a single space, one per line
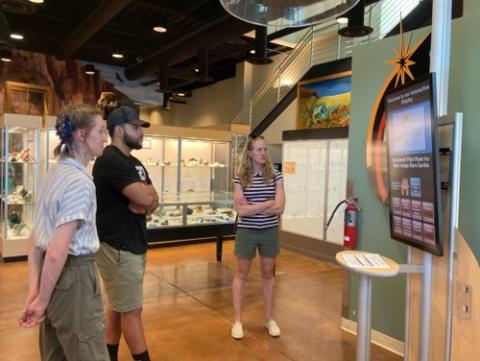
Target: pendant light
355 27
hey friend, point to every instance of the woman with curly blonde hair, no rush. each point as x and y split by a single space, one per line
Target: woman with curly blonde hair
259 201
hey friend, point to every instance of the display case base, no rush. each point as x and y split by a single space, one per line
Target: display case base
13 258
15 249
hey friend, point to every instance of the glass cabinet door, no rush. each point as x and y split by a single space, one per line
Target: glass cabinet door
152 155
170 161
221 178
20 145
51 142
196 162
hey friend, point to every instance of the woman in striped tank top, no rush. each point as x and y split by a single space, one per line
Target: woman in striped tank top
259 201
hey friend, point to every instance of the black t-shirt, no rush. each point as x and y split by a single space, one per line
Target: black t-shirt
116 224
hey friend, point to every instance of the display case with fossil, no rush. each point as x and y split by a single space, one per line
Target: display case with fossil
200 208
19 177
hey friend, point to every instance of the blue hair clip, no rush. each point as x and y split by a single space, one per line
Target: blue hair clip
65 130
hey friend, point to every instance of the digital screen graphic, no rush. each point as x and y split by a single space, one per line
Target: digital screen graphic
412 165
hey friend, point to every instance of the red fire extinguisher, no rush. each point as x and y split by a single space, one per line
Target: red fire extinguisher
351 222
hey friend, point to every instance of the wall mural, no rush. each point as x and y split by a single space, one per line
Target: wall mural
66 80
409 63
324 102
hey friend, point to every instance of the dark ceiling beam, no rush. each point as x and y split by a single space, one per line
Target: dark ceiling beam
217 32
161 9
52 20
185 73
187 13
105 12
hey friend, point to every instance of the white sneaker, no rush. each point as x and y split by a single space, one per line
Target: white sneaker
273 328
237 330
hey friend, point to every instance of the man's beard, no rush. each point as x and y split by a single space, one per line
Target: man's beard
131 142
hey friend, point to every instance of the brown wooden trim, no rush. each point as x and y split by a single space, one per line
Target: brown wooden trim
46 90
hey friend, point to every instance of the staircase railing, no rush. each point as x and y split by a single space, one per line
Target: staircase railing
320 44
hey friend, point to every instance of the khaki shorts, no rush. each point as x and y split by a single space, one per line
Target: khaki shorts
74 323
122 274
248 240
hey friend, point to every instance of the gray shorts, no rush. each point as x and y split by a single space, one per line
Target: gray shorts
248 240
74 323
122 274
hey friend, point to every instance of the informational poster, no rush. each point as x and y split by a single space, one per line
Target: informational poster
412 166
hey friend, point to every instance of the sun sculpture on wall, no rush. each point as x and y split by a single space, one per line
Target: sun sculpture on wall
402 61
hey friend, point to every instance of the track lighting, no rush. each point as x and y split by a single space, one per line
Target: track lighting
89 69
6 55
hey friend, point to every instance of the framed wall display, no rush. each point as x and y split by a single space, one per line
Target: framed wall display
324 102
413 159
30 99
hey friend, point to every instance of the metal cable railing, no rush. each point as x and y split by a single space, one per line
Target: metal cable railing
320 44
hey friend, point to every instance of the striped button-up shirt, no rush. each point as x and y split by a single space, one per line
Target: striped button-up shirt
67 194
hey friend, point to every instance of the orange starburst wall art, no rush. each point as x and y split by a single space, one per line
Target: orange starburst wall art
402 61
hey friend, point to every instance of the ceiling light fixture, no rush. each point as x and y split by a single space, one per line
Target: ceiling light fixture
89 69
159 29
356 27
36 1
16 36
260 52
180 94
197 70
6 55
117 55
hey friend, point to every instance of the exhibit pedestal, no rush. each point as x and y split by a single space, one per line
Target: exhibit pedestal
365 294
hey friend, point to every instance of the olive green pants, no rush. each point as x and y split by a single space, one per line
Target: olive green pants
73 329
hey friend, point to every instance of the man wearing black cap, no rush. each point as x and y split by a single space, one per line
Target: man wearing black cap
124 196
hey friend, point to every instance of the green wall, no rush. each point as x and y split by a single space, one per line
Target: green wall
464 96
369 72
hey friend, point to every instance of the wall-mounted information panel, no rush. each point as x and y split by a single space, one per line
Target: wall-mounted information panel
414 184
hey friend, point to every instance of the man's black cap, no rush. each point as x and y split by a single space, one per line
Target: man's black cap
123 115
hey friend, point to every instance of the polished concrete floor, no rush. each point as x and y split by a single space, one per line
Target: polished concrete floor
188 310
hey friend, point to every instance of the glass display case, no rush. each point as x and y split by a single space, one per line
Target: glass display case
188 209
180 165
192 217
19 178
